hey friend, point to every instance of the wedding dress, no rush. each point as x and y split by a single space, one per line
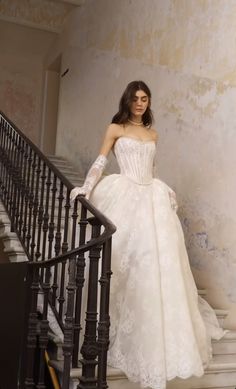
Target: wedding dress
157 331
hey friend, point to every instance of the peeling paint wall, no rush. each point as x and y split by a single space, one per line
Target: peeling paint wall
184 49
21 77
44 14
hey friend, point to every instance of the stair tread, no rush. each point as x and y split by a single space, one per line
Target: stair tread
202 292
229 335
217 364
221 312
224 359
70 172
56 157
60 161
76 372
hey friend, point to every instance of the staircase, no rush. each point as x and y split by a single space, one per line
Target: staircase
62 246
12 245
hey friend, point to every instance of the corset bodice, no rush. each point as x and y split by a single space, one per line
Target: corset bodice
135 158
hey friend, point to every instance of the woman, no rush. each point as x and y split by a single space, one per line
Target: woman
157 331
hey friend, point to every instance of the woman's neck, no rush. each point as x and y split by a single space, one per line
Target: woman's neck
136 120
135 123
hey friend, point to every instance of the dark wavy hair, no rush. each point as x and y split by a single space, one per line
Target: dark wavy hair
124 114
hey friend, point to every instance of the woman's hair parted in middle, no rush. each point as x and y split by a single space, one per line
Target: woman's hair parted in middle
123 115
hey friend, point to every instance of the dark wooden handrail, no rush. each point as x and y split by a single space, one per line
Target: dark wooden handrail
56 236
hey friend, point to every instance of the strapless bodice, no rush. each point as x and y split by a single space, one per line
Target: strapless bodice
135 159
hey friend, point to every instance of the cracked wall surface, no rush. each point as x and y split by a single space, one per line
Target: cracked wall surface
184 50
43 14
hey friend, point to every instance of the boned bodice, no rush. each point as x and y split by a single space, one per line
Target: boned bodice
135 158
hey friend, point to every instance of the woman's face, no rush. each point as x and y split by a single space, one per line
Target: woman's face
139 103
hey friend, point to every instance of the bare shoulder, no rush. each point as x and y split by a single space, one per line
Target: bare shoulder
154 134
112 133
114 130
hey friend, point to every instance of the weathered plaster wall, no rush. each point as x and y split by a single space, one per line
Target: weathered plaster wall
21 77
184 50
44 14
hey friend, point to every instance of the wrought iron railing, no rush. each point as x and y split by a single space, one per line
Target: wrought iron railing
56 237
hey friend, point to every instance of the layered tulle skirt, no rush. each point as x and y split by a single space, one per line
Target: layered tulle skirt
157 330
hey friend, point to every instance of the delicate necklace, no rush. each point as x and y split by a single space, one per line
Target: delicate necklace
135 123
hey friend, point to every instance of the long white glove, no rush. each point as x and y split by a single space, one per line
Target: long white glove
93 176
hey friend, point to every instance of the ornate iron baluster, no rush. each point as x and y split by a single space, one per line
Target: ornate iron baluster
6 139
3 159
27 192
32 331
89 349
40 213
46 218
104 318
61 298
15 178
66 223
68 328
23 189
51 225
80 264
2 153
19 180
44 327
35 207
12 176
57 246
9 166
31 204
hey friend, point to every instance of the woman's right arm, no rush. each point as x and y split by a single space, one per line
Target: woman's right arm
98 166
113 132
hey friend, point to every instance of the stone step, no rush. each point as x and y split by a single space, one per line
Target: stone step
202 292
220 374
73 174
226 345
66 167
221 315
56 160
112 373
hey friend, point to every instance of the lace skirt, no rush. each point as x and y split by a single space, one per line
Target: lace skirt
157 330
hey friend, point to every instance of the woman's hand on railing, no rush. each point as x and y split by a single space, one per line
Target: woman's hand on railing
78 191
93 176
